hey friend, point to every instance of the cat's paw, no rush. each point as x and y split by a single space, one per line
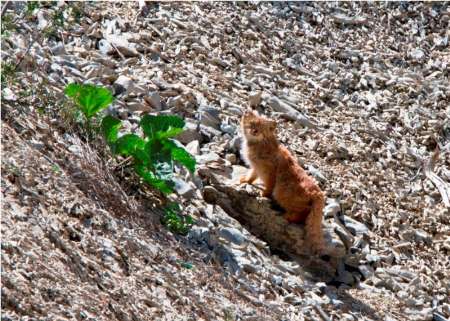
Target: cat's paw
243 180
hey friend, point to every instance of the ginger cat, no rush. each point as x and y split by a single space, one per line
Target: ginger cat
283 177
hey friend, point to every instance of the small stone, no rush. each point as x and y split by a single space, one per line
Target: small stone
254 99
210 195
227 257
8 94
122 45
332 208
334 246
138 106
232 235
417 54
372 258
58 49
366 271
337 303
209 116
422 236
208 158
403 295
317 174
122 85
76 149
105 47
235 111
248 266
345 277
231 158
347 317
154 100
209 132
198 234
176 102
193 147
228 129
234 145
277 280
354 226
183 188
190 133
42 22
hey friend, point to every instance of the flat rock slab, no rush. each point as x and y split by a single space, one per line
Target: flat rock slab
261 215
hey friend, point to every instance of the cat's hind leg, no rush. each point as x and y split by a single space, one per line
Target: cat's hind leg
295 217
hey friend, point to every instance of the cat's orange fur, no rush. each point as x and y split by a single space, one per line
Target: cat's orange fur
283 177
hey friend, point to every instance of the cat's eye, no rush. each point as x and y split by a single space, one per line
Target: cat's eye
254 131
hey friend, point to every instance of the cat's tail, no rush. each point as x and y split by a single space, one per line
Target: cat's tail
313 224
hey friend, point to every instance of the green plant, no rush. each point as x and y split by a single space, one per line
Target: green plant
154 154
58 18
31 6
76 11
90 98
7 24
186 265
7 72
175 222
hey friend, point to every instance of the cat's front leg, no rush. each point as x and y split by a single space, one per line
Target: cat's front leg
249 178
269 185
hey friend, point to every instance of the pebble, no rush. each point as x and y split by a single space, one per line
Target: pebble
190 133
154 100
183 188
58 49
231 158
199 234
209 132
417 54
208 158
123 85
105 47
228 129
232 235
354 226
209 117
234 145
366 271
422 236
76 149
193 147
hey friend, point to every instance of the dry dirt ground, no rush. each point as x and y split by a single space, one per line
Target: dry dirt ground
81 240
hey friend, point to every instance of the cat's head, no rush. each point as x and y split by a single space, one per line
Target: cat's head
256 127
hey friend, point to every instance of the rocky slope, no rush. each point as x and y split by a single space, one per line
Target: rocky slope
361 95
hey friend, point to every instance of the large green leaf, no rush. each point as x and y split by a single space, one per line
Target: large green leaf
141 156
90 98
151 179
161 126
110 128
161 160
129 144
72 89
179 154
